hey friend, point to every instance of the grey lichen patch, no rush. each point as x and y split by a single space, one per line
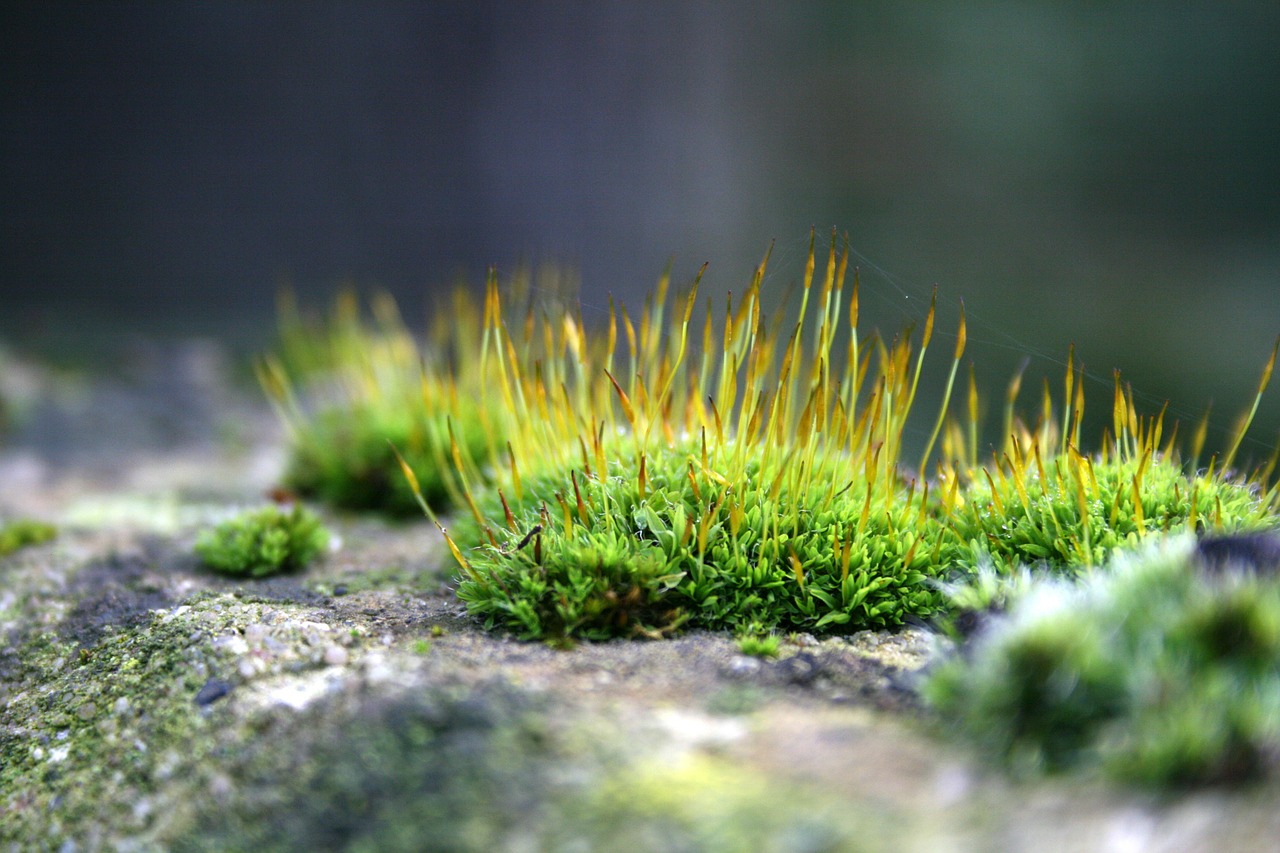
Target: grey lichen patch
908 650
34 586
450 767
458 765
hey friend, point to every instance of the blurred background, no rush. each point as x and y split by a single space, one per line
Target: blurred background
1100 173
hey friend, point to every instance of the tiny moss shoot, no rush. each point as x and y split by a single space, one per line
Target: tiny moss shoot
1159 669
759 646
22 532
263 542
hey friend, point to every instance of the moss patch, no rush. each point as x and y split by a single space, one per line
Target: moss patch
22 532
1159 669
263 542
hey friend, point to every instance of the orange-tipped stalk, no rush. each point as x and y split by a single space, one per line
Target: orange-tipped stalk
1253 410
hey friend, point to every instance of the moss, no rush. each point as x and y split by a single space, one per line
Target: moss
23 532
758 646
687 548
1082 511
748 483
1155 669
263 542
760 479
347 456
355 391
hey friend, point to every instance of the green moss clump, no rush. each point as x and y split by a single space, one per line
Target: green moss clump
749 482
688 548
755 476
759 646
22 532
263 542
1084 510
1158 669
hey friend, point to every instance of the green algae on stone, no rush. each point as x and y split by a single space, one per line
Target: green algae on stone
104 740
490 766
709 805
91 732
448 768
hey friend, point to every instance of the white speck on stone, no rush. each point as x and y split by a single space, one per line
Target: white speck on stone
694 730
1130 831
952 784
336 656
256 633
231 643
180 610
744 665
377 669
298 693
59 754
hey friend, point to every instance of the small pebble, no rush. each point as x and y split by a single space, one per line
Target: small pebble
336 656
87 711
213 690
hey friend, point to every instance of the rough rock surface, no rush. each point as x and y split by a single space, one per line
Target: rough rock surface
147 704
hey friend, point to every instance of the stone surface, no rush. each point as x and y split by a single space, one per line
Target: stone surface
147 704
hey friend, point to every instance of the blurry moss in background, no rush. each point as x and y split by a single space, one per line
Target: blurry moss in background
1159 669
355 390
22 532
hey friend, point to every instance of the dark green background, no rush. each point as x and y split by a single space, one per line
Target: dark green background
1104 173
